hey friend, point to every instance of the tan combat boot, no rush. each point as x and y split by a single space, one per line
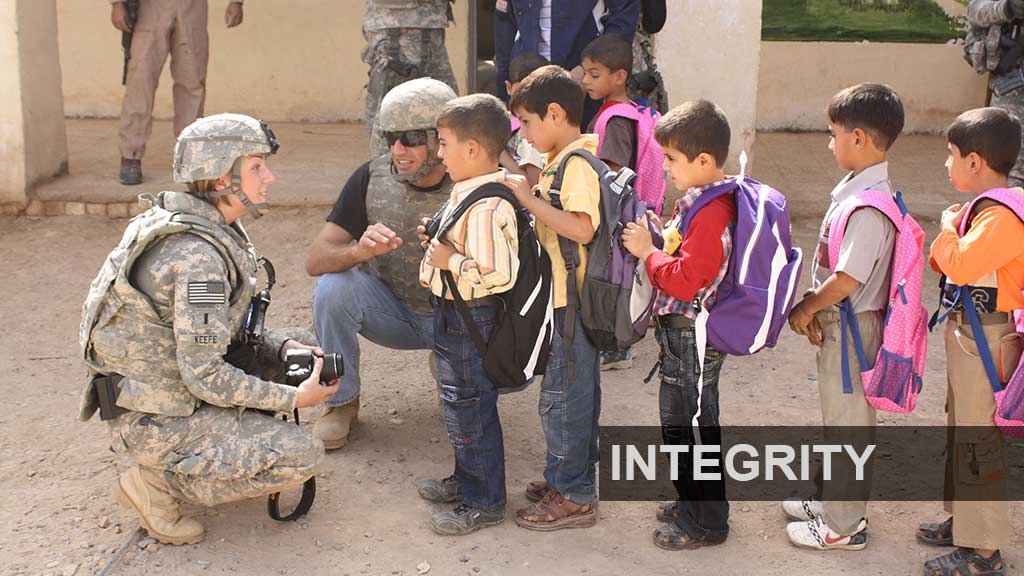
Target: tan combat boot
145 491
334 426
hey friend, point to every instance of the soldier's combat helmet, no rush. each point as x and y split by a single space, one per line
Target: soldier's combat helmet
211 146
415 105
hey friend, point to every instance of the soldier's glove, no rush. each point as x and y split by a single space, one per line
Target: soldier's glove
1015 9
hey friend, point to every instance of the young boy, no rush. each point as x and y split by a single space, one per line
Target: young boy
695 138
607 62
519 157
481 252
989 259
549 105
864 122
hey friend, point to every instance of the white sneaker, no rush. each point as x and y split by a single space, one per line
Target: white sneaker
816 535
799 509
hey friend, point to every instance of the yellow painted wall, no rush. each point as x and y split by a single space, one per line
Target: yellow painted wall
289 60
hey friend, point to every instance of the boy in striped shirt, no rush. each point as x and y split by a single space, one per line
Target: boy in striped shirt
481 252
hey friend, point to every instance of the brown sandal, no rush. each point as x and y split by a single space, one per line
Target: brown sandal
536 491
551 513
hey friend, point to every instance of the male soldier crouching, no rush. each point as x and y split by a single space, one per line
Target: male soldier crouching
165 308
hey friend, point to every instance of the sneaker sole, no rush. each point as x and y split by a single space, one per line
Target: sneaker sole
796 518
335 445
127 503
850 547
463 533
439 500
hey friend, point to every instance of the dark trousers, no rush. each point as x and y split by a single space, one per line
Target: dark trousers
703 505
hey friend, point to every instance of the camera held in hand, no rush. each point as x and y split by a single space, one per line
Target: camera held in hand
300 364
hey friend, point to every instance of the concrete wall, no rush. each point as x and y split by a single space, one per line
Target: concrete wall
294 60
710 49
798 78
33 144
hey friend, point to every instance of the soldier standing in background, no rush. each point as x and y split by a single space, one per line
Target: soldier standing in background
645 85
404 41
994 45
175 27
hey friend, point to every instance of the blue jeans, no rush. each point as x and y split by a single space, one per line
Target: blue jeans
705 510
570 407
351 303
470 407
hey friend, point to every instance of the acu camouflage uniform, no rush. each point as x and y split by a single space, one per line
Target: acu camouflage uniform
404 40
166 307
645 83
990 24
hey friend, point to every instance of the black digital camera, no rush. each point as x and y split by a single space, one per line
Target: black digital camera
300 365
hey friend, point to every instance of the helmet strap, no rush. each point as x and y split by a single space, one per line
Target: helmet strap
236 189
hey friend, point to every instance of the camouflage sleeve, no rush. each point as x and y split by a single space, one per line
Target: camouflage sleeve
985 13
270 348
202 332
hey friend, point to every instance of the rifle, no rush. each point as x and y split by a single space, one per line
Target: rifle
126 37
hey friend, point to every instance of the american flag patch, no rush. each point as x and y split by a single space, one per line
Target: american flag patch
205 293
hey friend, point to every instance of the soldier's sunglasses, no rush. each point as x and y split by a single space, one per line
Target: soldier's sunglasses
409 138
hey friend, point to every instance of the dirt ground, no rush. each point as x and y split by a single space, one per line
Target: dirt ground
58 516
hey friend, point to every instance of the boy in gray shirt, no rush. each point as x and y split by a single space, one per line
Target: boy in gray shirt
864 122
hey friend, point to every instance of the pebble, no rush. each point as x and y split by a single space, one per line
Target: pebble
392 411
203 563
476 568
367 535
104 522
423 567
53 564
397 421
69 570
464 558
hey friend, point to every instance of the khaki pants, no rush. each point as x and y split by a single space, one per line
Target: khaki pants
975 452
839 409
177 27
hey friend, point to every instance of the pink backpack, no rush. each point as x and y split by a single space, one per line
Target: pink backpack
650 176
894 381
1009 414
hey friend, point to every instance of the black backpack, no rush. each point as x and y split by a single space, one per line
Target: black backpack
520 344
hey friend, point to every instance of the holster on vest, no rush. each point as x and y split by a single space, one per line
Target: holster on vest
108 388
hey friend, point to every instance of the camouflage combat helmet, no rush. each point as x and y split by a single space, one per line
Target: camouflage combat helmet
415 105
211 146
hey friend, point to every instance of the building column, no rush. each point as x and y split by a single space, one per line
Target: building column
33 144
711 49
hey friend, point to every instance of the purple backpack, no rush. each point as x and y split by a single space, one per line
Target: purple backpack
616 300
753 301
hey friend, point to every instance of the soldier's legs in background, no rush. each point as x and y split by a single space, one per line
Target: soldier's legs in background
422 53
347 304
190 46
1014 104
150 45
231 454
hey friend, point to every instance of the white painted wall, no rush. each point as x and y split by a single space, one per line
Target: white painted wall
711 49
33 144
797 79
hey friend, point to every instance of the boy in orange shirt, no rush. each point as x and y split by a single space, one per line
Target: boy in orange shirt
989 260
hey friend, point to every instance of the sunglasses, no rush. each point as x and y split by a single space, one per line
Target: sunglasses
409 138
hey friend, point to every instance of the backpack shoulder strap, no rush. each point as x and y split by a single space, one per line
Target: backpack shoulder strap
706 197
1008 198
556 184
488 190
